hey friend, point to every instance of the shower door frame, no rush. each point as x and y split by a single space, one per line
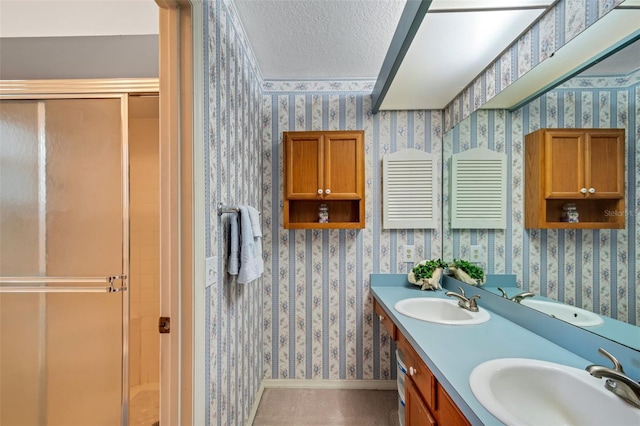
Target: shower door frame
42 90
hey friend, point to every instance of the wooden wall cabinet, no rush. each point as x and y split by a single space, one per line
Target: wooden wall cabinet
580 166
325 167
426 401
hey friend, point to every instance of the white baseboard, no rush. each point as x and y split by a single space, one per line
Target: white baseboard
331 384
318 384
256 403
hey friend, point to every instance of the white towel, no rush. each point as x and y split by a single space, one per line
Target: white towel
254 217
249 266
234 250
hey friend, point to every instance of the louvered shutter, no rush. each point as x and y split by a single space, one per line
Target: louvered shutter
478 190
409 179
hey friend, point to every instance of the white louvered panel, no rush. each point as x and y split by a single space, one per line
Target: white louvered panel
408 183
478 190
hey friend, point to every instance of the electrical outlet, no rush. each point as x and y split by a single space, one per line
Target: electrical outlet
211 270
475 253
408 253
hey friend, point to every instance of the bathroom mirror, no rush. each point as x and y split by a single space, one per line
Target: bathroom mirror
593 269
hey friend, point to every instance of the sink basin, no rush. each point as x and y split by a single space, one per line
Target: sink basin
441 311
564 312
522 391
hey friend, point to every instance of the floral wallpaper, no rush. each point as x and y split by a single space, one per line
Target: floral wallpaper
318 315
233 156
310 315
593 269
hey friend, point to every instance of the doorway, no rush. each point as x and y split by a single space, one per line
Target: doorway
144 248
79 260
63 261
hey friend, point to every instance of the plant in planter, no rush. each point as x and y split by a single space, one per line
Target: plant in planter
427 274
467 272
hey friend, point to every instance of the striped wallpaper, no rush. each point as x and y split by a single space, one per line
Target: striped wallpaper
318 321
233 154
595 269
310 315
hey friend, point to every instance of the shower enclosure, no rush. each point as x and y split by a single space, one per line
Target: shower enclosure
64 261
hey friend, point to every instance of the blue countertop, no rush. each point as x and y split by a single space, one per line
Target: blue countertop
452 351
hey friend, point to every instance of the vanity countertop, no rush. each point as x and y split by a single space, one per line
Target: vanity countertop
453 351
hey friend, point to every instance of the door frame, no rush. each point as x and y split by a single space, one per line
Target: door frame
182 201
183 204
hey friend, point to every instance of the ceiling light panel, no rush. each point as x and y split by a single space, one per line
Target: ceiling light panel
452 47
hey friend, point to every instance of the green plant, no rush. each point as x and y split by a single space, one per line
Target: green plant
472 270
425 268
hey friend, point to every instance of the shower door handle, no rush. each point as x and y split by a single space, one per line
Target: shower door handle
28 284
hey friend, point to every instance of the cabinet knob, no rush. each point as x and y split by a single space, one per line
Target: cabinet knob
592 190
583 190
319 191
327 191
412 371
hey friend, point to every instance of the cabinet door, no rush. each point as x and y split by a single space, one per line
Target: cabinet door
304 165
605 164
416 412
343 157
564 164
448 412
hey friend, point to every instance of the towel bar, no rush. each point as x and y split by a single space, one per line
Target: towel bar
222 209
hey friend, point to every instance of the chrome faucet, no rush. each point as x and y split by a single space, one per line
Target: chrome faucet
469 304
616 381
518 297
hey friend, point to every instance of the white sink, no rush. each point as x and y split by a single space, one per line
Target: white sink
571 314
441 311
524 392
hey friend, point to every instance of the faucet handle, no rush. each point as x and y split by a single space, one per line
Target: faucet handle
504 293
616 364
472 301
461 291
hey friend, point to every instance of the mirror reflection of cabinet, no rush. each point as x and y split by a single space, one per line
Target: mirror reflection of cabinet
325 167
580 166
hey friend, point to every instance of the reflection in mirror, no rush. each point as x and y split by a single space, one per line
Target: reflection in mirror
593 269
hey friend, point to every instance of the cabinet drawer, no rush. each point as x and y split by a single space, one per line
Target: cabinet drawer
420 374
384 319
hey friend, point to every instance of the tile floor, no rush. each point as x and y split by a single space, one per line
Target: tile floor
340 407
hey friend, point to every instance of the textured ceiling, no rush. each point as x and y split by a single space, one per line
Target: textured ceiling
325 39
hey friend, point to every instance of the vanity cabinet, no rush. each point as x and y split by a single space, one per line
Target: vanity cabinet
429 404
584 167
426 401
325 167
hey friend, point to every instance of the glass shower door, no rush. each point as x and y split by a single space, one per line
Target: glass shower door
63 262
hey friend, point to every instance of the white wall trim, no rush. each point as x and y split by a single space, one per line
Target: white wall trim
256 403
331 384
199 208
